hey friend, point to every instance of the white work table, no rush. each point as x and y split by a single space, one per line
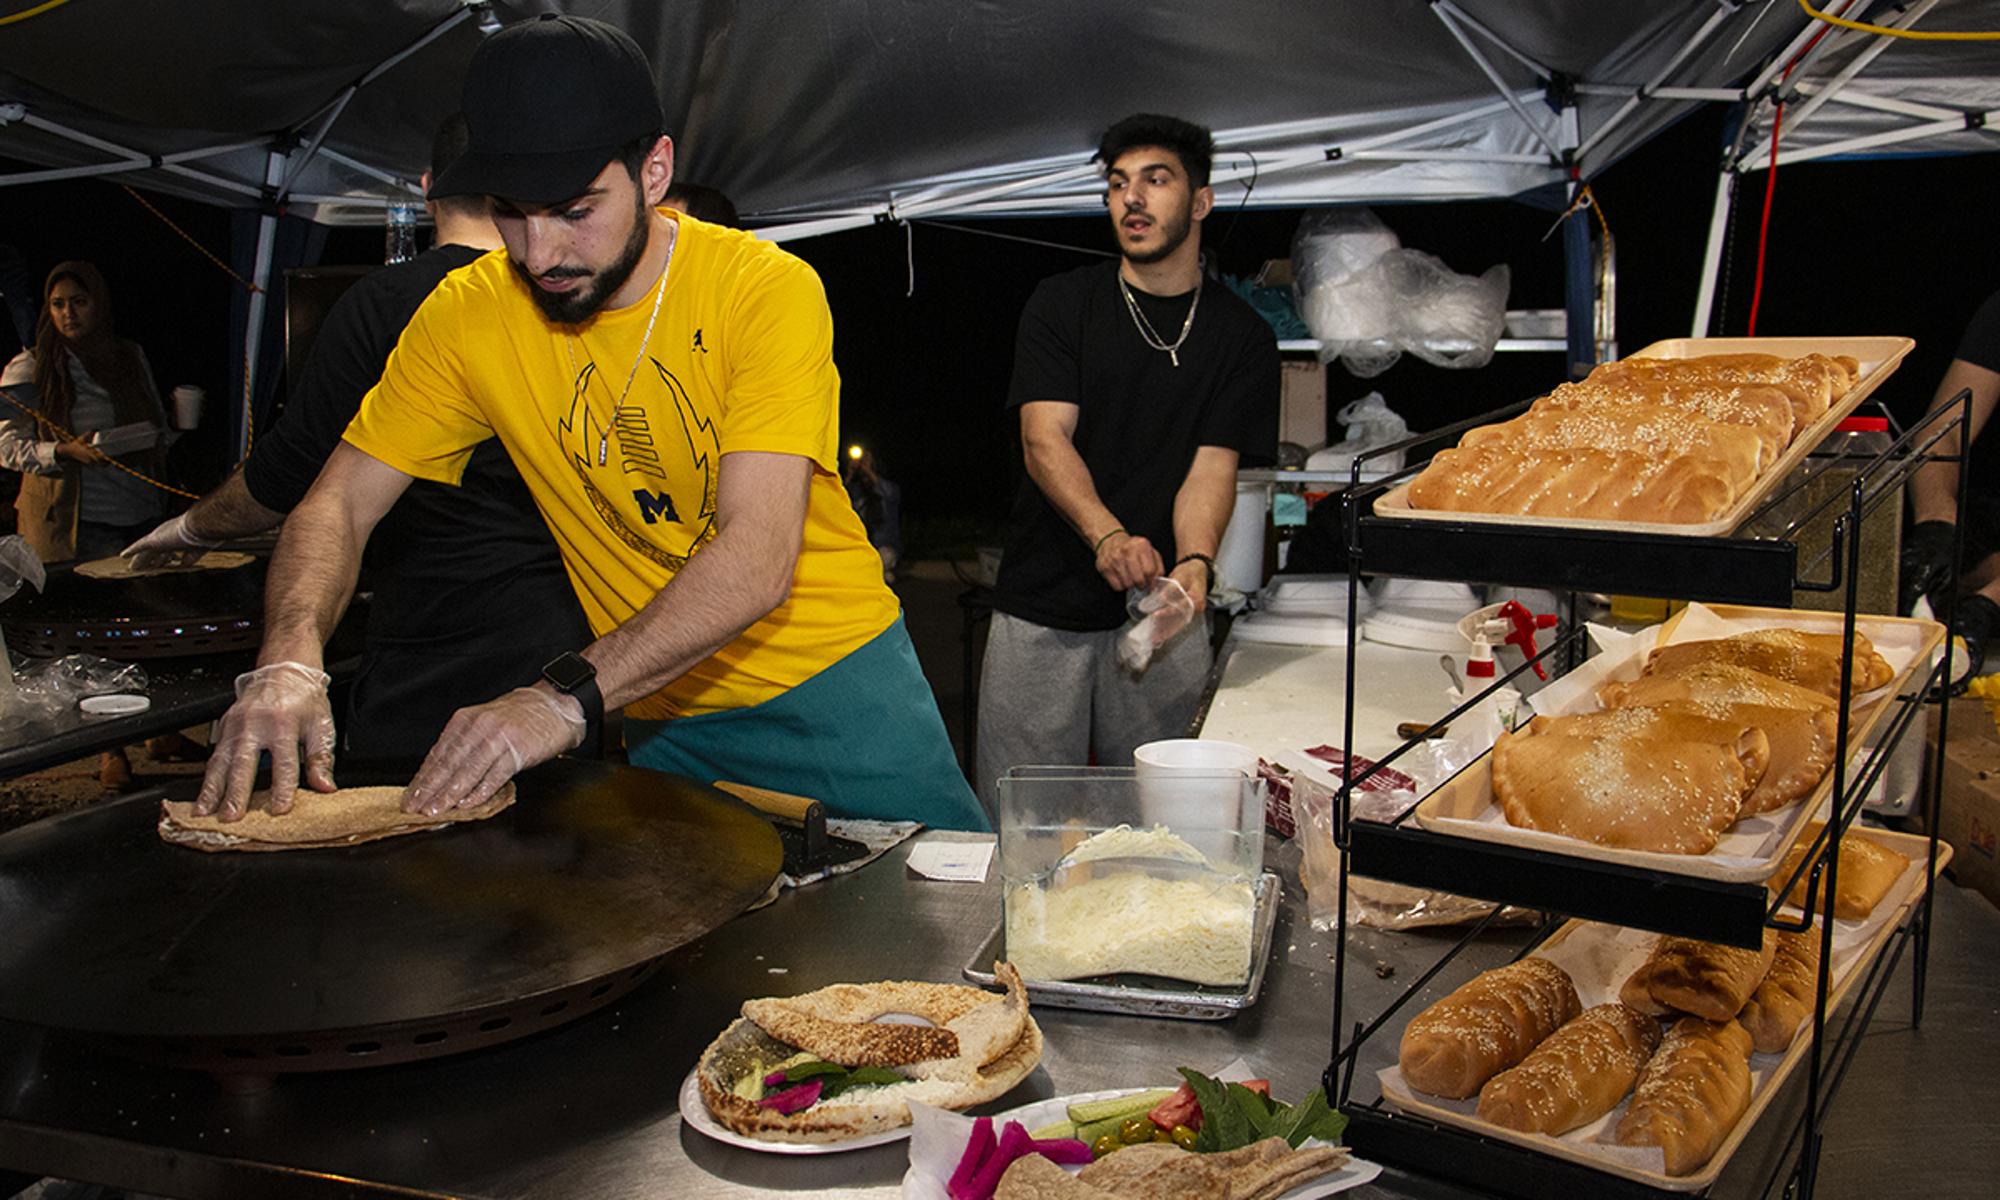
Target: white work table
1274 698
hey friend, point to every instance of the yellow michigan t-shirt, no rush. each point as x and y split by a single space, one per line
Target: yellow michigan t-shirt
741 358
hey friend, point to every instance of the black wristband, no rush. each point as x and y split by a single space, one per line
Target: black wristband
1208 564
573 675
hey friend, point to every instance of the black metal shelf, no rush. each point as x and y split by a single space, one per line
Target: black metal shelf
1763 569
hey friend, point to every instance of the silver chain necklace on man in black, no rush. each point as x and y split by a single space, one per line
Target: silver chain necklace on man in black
1146 330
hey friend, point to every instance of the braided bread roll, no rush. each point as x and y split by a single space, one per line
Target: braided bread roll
1702 978
1580 1073
1585 483
1691 1093
1764 411
1653 429
1785 999
1486 1026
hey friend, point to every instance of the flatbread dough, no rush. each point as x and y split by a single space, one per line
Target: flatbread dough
346 817
120 567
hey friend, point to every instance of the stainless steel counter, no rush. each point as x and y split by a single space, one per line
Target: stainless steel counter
589 1110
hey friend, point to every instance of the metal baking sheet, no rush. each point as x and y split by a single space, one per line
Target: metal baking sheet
1148 995
1879 358
1456 808
1774 1069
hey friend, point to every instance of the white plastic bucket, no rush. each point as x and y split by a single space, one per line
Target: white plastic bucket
1239 560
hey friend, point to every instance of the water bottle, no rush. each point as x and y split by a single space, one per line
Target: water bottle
399 243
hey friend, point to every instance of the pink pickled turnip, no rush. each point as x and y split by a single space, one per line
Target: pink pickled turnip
791 1100
1067 1152
1014 1142
774 1079
977 1148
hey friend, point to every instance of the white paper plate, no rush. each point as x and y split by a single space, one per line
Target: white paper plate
697 1116
925 1186
117 704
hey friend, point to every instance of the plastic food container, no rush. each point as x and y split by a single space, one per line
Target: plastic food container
1105 871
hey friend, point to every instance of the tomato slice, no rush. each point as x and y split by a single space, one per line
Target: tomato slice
1260 1086
1181 1108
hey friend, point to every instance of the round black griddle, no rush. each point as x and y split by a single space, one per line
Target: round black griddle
158 616
410 947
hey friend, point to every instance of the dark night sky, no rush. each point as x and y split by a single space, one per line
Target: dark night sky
1889 246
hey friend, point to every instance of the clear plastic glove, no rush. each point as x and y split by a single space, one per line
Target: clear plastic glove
169 545
1163 609
486 745
279 708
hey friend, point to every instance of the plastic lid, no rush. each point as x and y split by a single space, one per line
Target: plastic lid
117 704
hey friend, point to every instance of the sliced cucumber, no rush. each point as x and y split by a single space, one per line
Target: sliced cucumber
1061 1129
1092 1112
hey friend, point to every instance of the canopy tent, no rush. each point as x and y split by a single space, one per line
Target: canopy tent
839 113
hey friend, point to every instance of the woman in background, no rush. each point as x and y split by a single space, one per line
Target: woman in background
79 378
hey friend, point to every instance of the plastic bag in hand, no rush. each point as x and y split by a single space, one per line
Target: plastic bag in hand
1162 610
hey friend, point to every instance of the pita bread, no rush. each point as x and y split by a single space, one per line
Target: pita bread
120 567
318 820
957 1080
1259 1171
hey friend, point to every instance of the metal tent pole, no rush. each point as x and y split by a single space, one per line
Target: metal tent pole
253 321
1711 257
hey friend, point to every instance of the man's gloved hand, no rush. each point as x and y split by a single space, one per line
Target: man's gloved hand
170 544
484 746
279 708
1976 622
1926 564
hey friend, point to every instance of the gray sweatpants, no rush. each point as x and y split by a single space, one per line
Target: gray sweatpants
1050 696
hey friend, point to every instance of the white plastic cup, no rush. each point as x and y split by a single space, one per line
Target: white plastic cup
188 400
1193 785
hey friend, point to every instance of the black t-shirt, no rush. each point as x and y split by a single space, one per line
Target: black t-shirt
1980 346
1139 423
466 570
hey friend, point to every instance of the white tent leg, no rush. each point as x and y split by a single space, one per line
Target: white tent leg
253 321
1711 259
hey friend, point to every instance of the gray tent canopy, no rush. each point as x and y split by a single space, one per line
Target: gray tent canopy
832 114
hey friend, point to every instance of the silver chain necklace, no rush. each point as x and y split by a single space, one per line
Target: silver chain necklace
1146 330
604 439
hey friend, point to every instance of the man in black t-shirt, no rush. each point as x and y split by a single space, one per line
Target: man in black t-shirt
1140 386
1926 565
470 595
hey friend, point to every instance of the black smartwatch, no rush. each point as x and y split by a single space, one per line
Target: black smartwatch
572 675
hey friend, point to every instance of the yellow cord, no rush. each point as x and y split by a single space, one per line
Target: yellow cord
36 11
1913 35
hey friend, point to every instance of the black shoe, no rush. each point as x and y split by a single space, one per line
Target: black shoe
1976 623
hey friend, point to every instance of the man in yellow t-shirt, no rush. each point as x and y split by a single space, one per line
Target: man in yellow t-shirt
666 388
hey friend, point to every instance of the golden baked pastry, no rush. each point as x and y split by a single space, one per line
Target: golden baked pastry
1699 978
1809 660
1574 1077
1764 411
1691 1094
1799 725
1811 382
1784 1001
1867 871
1588 484
1670 796
1670 722
1655 430
1487 1025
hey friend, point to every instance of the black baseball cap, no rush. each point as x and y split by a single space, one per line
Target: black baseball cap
549 103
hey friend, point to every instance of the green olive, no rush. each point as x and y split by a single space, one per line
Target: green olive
1161 1135
1103 1146
1184 1137
1135 1130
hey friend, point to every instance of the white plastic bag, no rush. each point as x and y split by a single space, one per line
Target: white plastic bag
1370 424
1162 610
1444 318
1367 299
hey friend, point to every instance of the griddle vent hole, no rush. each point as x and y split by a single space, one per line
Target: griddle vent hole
600 990
552 1009
492 1023
430 1038
294 1051
363 1047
